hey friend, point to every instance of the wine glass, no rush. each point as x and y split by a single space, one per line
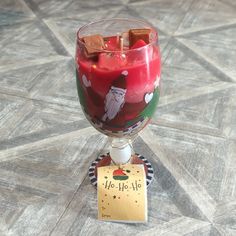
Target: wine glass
118 67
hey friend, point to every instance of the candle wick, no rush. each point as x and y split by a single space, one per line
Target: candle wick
118 38
121 44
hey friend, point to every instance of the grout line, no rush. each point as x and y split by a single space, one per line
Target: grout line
174 226
23 21
67 205
169 125
32 63
55 42
15 152
77 190
39 100
200 197
28 8
220 136
63 40
170 42
141 2
56 130
218 230
207 63
183 17
228 3
208 29
209 89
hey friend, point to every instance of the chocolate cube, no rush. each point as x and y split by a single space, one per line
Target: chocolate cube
137 34
93 44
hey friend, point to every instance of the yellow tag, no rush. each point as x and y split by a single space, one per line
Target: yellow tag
122 194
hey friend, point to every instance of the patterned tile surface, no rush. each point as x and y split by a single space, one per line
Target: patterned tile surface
207 14
47 145
23 43
13 11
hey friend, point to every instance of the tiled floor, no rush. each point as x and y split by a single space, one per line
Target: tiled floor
46 144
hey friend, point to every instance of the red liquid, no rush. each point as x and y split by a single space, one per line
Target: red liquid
132 99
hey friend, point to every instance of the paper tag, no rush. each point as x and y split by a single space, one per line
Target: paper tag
122 194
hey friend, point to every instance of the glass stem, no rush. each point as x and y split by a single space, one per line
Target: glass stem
121 150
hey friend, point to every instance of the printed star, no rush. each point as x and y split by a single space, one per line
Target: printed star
105 177
114 197
128 171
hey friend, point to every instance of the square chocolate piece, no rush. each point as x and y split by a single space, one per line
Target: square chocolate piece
93 43
137 34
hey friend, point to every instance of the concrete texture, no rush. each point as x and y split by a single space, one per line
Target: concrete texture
46 144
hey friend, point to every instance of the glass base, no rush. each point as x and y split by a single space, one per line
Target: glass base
105 160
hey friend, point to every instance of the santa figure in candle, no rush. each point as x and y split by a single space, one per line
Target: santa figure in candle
115 98
113 112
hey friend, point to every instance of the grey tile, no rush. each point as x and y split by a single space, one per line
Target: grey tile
206 14
210 161
199 163
23 121
22 44
225 231
205 231
203 157
13 11
225 214
44 7
37 186
24 81
216 46
93 4
177 66
46 144
177 227
53 82
230 3
56 83
211 113
72 7
127 12
166 188
136 1
162 14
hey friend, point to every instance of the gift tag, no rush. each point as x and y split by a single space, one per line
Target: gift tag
122 194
